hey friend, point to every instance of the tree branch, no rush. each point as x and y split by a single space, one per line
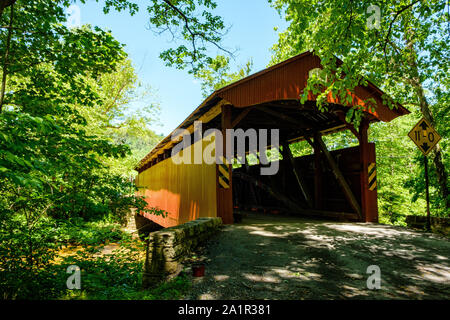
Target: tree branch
186 23
399 12
194 34
5 4
6 56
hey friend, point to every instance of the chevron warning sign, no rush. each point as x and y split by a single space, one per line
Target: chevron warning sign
372 170
224 175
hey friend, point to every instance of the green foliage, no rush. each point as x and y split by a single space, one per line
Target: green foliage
78 232
26 249
174 289
108 276
381 52
406 54
301 148
116 117
217 74
28 253
396 164
67 134
119 277
55 167
116 275
193 22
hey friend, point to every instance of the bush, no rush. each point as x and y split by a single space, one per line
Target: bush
25 256
118 276
78 232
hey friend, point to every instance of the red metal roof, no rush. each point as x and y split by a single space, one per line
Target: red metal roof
283 81
287 80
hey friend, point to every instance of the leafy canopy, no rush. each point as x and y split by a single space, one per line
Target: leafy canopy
378 41
402 47
217 74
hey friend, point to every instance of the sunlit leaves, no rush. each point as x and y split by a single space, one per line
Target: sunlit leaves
407 51
340 29
191 23
217 74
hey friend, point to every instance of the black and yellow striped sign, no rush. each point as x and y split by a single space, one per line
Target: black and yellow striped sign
372 170
224 175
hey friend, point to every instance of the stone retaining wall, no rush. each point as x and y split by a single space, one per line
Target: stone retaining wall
137 225
129 222
166 249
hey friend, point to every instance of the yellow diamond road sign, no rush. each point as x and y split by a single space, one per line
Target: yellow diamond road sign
424 136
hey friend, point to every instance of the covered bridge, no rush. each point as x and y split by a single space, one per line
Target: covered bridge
337 184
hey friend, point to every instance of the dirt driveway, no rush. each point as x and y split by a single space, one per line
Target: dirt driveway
273 257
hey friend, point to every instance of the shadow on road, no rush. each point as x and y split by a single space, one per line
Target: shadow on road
274 257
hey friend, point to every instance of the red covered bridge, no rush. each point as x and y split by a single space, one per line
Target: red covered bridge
338 184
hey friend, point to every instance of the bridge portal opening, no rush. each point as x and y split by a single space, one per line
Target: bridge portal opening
339 184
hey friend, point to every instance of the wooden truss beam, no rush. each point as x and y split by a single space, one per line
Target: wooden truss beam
301 124
240 117
349 126
318 179
339 177
295 207
284 117
298 175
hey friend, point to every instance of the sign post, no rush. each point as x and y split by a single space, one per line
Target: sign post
427 194
425 137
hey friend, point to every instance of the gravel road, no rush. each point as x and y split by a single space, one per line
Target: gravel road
275 257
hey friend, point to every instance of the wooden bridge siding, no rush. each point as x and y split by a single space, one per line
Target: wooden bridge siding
185 191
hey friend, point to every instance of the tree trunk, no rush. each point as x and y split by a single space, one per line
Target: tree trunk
299 176
6 56
426 112
4 4
437 153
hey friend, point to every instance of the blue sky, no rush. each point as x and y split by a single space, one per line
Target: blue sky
252 33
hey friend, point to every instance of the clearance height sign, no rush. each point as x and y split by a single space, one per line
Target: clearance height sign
424 136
